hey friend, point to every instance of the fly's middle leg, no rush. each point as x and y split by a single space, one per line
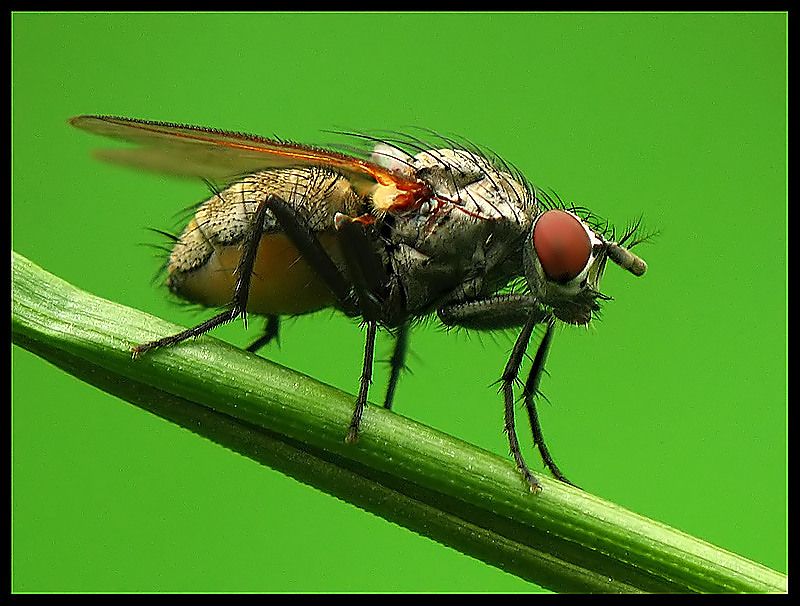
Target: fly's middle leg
397 363
366 380
377 302
362 288
305 240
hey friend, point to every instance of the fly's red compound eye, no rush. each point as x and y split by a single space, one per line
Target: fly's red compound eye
562 245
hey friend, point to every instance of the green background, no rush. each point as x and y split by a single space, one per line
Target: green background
674 405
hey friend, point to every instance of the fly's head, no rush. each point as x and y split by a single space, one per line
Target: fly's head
564 260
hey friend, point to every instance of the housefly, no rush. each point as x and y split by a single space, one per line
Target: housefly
390 236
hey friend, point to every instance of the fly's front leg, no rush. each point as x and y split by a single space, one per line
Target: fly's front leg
492 313
238 306
510 374
530 391
506 311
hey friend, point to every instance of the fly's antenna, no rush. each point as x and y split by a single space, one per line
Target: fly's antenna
620 253
626 259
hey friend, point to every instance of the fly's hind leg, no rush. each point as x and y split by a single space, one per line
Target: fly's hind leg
312 251
238 306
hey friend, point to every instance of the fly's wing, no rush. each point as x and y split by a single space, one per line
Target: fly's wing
215 154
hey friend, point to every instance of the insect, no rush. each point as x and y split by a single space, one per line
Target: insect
403 232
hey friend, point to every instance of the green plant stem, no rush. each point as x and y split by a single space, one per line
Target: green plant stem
474 501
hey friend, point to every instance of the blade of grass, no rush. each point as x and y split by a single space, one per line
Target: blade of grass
436 485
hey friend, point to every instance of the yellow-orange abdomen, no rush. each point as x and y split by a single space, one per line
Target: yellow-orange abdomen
282 281
202 266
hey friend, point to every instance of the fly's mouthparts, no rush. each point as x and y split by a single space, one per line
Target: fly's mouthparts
626 259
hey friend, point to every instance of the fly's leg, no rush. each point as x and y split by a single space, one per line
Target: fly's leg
360 247
317 257
530 391
377 302
366 379
312 251
510 374
270 332
241 292
397 362
367 277
506 311
492 313
373 288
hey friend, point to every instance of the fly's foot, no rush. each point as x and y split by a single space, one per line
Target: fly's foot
352 435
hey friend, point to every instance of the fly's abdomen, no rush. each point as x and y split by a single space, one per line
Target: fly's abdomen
282 282
202 266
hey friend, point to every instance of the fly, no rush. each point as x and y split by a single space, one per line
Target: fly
402 233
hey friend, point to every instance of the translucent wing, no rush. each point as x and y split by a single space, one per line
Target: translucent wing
215 154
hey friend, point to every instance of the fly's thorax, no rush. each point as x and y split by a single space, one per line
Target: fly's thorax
469 199
202 263
464 241
450 172
462 176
